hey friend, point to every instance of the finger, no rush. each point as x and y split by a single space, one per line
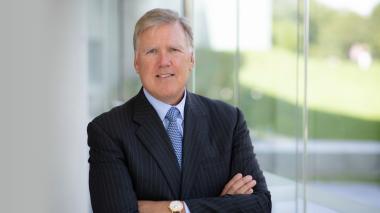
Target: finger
235 178
246 187
249 191
243 185
238 184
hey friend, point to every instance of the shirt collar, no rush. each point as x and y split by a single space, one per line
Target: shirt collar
162 108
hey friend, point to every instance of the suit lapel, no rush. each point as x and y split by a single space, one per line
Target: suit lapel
152 134
195 134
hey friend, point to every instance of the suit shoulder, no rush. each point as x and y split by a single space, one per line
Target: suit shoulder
216 106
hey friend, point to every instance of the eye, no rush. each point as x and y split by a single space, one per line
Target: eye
151 51
174 49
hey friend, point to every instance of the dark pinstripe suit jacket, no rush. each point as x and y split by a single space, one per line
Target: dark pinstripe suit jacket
131 158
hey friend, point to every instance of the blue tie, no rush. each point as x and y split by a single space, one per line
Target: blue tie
174 133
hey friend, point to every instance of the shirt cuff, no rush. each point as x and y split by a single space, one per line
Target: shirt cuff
187 210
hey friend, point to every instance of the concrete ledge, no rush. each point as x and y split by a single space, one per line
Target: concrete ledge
326 159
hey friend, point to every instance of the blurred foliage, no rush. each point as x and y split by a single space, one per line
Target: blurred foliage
374 36
285 34
336 31
216 69
332 32
284 26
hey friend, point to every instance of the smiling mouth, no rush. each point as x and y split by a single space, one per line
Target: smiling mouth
164 75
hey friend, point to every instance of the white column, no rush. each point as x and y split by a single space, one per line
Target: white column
43 106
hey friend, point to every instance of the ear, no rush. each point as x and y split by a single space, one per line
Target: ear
192 61
136 64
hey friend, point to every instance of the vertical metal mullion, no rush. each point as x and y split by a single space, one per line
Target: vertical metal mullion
105 55
237 56
121 52
297 114
305 110
188 12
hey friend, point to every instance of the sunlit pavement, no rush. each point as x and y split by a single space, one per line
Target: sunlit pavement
365 193
337 162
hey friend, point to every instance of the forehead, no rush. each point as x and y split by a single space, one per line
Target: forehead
169 32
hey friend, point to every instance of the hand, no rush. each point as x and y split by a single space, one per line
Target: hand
146 206
239 185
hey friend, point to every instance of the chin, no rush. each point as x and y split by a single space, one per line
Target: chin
171 97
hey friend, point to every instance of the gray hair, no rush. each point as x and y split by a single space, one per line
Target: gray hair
157 17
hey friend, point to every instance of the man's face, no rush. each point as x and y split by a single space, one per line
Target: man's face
164 60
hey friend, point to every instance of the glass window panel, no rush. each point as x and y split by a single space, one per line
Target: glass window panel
215 43
247 55
104 54
343 103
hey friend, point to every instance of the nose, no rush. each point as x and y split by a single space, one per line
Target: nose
165 59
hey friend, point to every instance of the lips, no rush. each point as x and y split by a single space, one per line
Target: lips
166 75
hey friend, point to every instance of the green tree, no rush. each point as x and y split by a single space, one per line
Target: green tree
374 34
339 33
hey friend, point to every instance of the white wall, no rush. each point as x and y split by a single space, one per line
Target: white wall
43 106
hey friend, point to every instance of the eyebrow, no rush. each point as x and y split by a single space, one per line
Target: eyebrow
177 47
148 49
181 47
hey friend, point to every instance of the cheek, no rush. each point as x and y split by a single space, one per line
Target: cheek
184 63
185 75
145 62
147 67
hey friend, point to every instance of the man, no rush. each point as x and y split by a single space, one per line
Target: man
166 149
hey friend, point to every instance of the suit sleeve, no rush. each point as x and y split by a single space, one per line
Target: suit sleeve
111 188
243 160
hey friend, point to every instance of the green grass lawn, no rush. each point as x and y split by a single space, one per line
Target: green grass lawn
343 101
334 86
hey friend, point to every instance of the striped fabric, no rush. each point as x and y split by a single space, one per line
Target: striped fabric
132 158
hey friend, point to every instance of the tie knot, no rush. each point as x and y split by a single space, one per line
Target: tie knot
172 114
